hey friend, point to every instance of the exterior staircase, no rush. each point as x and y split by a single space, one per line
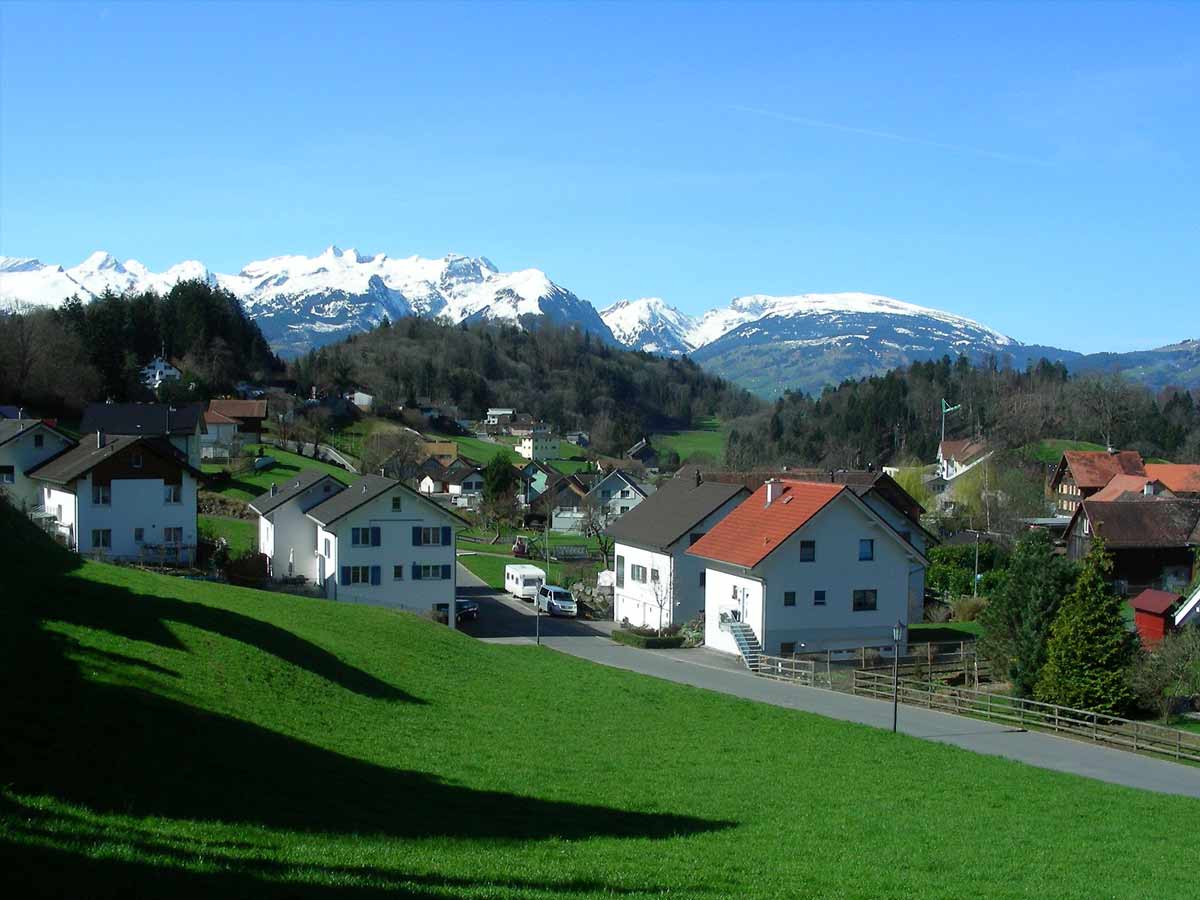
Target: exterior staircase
747 644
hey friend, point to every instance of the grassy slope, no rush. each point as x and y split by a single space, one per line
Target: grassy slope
1050 450
249 485
242 534
481 452
708 439
162 737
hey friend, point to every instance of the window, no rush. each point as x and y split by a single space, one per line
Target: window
624 493
789 598
624 509
396 504
139 535
7 474
39 440
135 460
866 549
360 537
431 535
173 535
1087 525
865 601
102 538
638 573
359 574
327 548
787 648
398 573
620 571
818 598
435 572
654 574
808 551
173 494
102 494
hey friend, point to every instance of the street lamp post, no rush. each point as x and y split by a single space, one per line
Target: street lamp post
897 634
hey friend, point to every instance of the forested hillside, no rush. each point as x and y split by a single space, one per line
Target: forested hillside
562 375
897 416
55 360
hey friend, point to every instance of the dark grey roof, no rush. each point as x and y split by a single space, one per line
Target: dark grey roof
145 419
266 503
672 511
1161 522
363 491
78 460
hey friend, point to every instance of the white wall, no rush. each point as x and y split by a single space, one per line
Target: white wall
836 570
22 454
720 598
916 570
136 503
638 602
396 548
293 535
62 503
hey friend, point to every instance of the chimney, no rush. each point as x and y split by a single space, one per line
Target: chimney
273 489
774 489
99 439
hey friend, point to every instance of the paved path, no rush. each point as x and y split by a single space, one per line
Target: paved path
505 620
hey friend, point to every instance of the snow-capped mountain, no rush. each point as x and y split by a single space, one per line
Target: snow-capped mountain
301 302
650 324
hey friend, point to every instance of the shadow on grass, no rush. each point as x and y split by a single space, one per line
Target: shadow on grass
131 751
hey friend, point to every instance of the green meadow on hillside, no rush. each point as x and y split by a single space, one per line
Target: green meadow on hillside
706 440
171 738
250 484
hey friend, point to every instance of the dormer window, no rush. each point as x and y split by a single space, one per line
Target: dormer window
135 460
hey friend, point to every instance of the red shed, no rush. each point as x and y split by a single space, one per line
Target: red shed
1152 614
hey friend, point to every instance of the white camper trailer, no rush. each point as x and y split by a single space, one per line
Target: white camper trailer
523 580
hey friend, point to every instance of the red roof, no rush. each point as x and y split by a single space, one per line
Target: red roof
1121 485
754 529
1176 477
1096 468
1153 601
239 409
962 450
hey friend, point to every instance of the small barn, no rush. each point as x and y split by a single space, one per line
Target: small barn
1152 615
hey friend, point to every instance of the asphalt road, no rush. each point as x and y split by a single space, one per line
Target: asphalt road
504 619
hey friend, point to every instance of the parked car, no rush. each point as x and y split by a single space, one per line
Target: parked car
556 601
463 609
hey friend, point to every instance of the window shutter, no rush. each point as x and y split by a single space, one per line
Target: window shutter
445 573
416 572
447 538
376 537
416 535
374 574
345 574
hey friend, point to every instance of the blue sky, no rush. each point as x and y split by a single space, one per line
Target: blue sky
1030 166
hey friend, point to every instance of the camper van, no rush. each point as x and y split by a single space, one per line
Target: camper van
523 580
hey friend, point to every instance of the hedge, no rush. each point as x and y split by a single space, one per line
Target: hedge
648 642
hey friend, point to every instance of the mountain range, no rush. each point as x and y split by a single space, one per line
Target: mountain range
766 343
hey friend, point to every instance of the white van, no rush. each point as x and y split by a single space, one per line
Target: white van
523 580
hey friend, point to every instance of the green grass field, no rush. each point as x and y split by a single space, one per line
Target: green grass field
248 485
242 534
707 439
482 452
1050 450
170 738
945 632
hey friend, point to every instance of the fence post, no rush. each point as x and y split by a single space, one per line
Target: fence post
1178 741
1135 735
1094 717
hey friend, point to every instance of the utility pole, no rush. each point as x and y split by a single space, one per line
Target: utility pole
947 408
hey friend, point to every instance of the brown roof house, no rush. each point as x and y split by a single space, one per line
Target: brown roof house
1152 539
957 457
1081 473
249 415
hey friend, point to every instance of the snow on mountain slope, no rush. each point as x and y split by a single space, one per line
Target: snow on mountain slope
650 324
302 301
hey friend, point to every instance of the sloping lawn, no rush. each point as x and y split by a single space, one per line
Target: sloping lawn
168 738
241 534
1050 450
707 439
250 484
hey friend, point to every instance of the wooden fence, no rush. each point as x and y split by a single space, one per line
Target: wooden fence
1113 731
787 668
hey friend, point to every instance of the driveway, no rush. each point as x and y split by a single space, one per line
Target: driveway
503 619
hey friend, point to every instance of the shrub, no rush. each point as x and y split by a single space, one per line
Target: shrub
937 613
693 631
967 609
634 638
1169 675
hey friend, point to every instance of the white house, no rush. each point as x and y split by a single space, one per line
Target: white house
157 371
498 415
286 535
804 566
362 400
618 492
656 582
538 447
380 542
182 425
122 497
25 443
219 437
957 457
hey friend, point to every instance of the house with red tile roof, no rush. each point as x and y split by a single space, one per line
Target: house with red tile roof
1180 479
803 566
1081 473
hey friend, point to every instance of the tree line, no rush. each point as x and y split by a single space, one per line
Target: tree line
559 374
57 360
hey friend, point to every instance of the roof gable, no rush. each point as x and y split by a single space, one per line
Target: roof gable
673 511
362 492
1176 477
70 464
267 502
1093 469
11 429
